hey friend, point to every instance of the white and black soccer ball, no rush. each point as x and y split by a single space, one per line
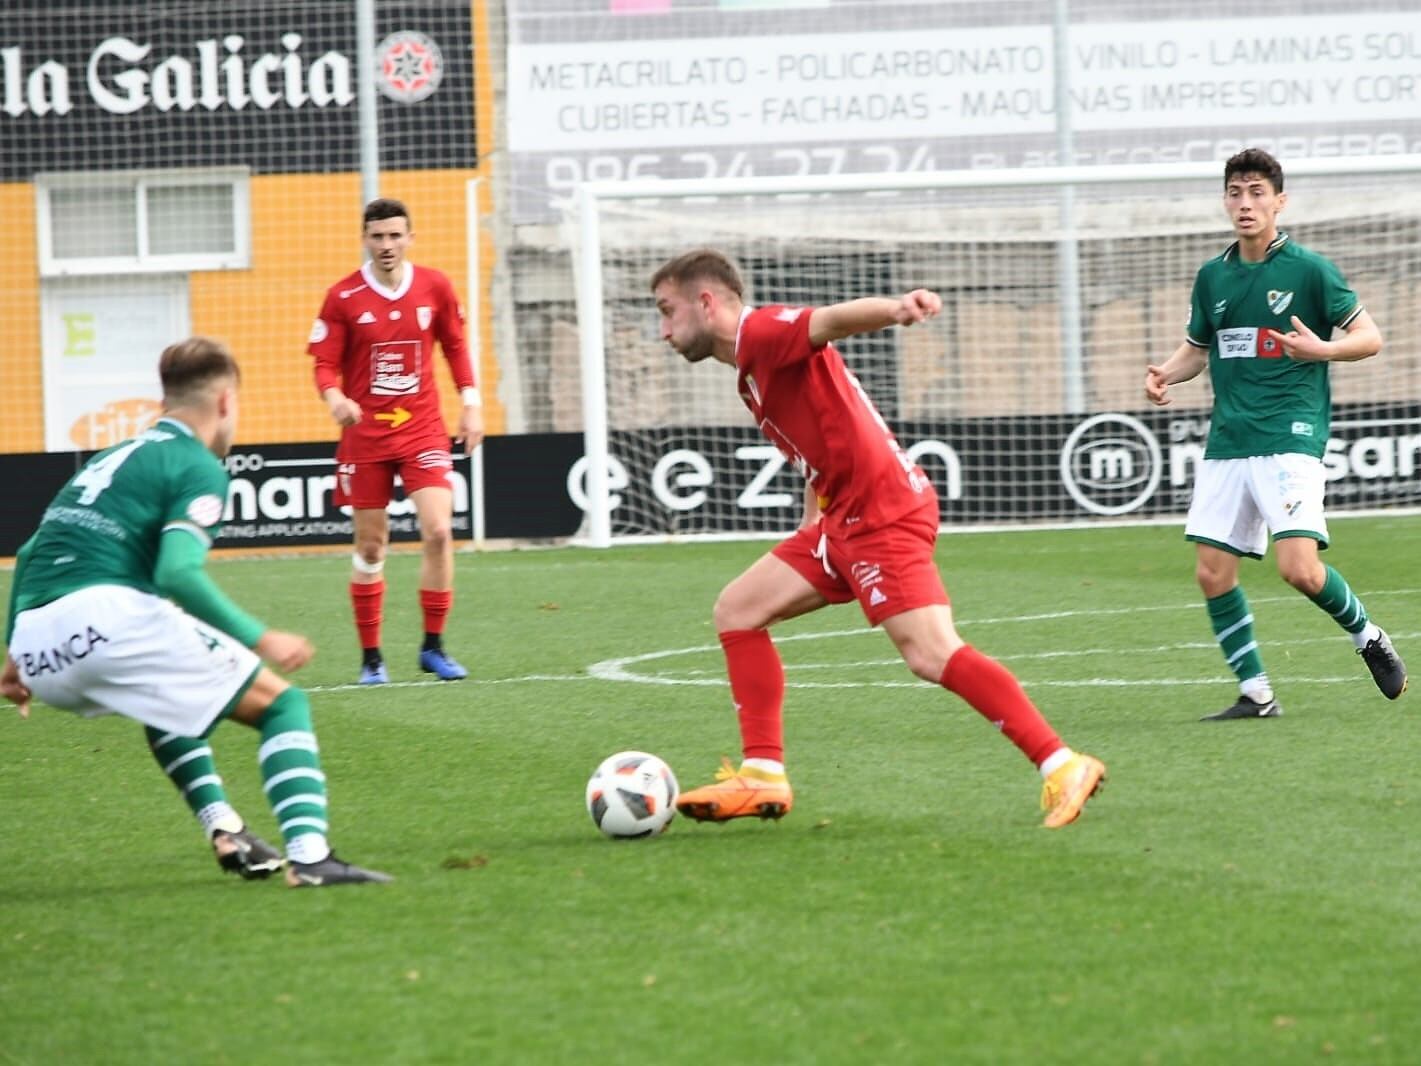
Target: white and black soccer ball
632 794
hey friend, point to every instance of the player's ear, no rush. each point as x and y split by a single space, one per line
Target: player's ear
226 399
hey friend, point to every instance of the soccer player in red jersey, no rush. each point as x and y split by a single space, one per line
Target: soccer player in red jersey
870 525
374 350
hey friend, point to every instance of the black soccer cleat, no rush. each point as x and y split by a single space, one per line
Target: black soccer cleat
245 854
1388 671
331 871
1246 708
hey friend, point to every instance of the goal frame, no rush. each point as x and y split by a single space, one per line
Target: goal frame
586 208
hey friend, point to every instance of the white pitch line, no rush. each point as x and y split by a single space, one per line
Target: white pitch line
618 669
434 682
1200 645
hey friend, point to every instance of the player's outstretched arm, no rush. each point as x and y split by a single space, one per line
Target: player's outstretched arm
871 313
1184 364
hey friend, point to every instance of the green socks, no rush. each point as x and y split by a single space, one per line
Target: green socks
188 763
1338 600
1232 622
291 774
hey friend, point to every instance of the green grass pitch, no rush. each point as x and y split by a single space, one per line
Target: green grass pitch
1239 893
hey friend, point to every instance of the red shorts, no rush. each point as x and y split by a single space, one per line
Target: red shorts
889 570
370 484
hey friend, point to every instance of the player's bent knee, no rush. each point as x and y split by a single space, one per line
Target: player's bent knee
735 609
264 691
1212 581
1307 580
927 663
437 538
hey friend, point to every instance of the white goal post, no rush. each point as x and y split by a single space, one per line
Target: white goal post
1024 399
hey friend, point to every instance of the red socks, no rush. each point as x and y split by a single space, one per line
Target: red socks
368 600
757 684
435 603
998 697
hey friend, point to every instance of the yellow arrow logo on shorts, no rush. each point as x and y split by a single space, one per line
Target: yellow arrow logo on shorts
397 418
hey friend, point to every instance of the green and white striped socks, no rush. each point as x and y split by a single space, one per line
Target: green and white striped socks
1232 622
188 763
1338 600
291 774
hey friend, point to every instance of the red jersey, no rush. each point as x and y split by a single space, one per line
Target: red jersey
377 345
810 407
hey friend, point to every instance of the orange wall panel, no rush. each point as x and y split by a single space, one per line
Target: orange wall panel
22 420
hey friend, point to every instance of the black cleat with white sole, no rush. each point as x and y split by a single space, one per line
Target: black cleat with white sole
331 871
1246 708
1388 671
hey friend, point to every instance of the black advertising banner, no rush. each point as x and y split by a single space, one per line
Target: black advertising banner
988 471
269 85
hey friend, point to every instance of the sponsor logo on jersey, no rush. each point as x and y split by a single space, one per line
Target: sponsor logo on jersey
346 294
788 314
319 331
1219 307
1278 302
395 368
409 67
424 316
1247 342
205 510
1302 429
365 319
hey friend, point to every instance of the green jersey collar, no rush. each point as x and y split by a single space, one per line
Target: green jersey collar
178 424
1231 252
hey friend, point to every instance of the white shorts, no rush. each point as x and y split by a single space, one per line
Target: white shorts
109 649
1238 502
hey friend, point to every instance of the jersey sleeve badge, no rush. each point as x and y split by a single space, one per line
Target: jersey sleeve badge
205 510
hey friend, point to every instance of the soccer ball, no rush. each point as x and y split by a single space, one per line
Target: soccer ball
632 794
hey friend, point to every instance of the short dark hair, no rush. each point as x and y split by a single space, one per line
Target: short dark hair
1255 161
188 367
383 208
702 264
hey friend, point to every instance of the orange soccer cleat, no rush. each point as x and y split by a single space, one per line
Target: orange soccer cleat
743 793
1064 793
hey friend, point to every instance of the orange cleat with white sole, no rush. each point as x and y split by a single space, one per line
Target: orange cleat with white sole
1064 793
743 793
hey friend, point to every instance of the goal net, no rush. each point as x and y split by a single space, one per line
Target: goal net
1024 399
